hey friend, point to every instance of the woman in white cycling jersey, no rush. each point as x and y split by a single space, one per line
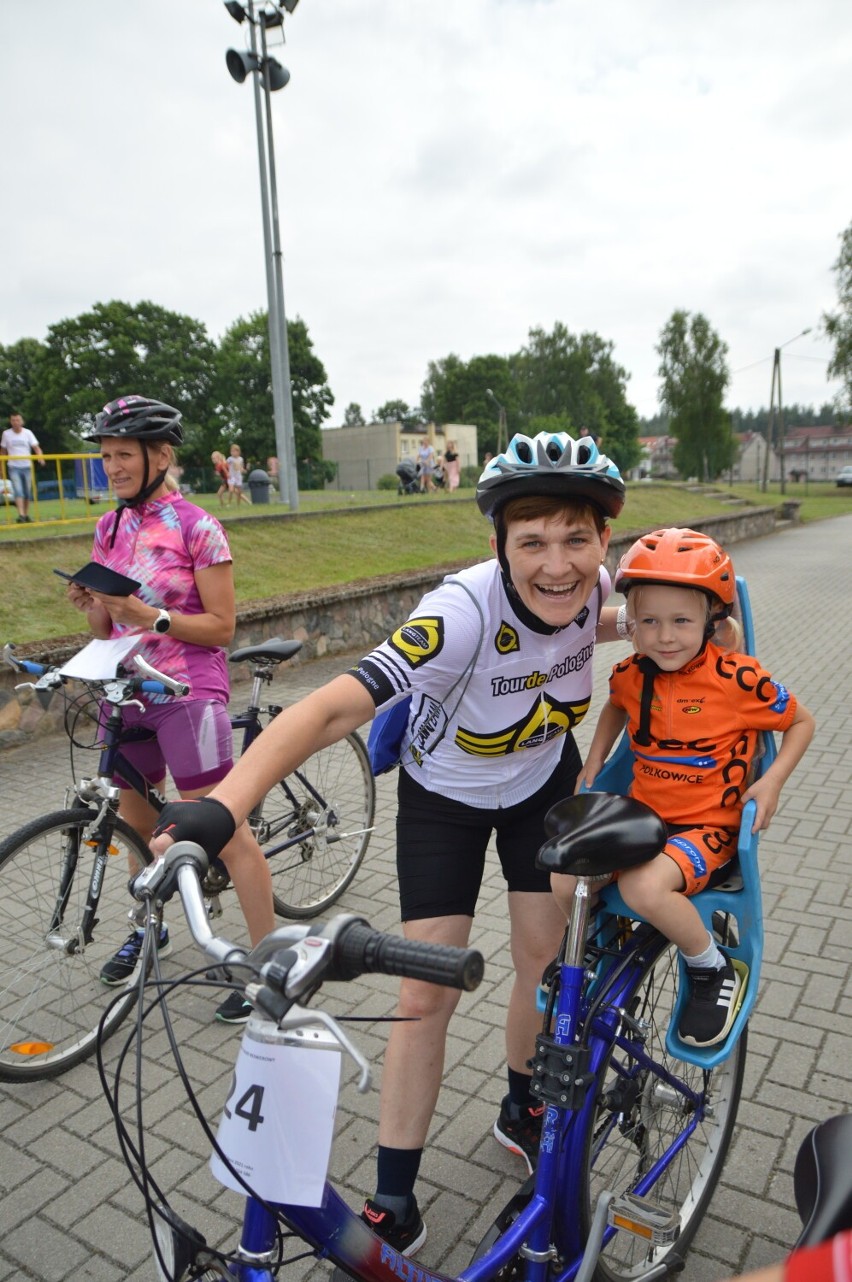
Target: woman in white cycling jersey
497 662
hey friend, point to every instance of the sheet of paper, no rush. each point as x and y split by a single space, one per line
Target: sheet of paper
98 660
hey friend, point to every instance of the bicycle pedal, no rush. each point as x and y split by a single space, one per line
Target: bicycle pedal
214 907
644 1218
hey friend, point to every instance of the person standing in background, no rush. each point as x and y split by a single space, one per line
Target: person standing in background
452 467
426 465
236 470
19 445
220 467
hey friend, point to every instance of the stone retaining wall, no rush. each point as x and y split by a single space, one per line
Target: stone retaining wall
328 621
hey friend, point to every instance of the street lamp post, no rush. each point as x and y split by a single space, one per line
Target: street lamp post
502 430
776 381
268 74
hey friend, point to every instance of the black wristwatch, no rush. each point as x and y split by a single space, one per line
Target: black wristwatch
162 623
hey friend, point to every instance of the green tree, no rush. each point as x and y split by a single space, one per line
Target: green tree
22 384
576 380
243 387
353 415
838 324
397 412
455 391
118 348
695 374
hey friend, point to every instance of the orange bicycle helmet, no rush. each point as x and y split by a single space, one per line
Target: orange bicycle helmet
679 558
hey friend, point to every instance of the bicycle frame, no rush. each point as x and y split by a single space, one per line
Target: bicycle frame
549 1217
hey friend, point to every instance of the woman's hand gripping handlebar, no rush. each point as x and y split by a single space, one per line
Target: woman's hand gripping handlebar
294 961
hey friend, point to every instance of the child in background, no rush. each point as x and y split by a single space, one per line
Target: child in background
220 467
693 710
236 470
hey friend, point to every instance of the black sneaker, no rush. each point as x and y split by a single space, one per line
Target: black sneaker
235 1009
120 967
405 1236
520 1134
711 1006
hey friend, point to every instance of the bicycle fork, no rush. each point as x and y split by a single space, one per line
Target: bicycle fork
74 940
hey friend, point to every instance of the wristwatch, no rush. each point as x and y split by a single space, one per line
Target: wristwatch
162 623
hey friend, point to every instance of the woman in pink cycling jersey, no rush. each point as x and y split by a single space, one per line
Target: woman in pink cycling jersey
184 614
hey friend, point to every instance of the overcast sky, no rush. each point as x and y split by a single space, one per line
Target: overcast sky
451 173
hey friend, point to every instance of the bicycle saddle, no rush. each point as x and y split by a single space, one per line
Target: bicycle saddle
822 1180
596 833
272 651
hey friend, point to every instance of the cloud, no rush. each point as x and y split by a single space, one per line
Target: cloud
449 176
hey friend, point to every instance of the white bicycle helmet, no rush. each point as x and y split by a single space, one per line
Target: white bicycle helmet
552 464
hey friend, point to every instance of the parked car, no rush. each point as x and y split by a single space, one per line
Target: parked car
844 476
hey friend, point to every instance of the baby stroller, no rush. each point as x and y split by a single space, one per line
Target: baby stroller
407 471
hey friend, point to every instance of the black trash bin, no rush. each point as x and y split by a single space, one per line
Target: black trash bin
259 484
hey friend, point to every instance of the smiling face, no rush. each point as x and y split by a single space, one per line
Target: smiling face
669 623
554 562
124 463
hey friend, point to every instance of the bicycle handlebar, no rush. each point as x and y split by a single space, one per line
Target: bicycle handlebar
150 682
358 949
345 948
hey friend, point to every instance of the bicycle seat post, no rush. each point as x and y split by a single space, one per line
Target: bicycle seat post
578 921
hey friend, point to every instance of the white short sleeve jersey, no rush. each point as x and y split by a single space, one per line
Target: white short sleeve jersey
491 740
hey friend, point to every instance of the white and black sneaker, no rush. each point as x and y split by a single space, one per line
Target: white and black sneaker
712 1004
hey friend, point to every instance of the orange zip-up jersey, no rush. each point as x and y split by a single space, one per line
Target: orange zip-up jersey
704 728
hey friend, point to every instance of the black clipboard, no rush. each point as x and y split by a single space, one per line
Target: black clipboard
100 578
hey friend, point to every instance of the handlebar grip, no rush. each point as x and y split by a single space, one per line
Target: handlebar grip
27 665
358 949
152 687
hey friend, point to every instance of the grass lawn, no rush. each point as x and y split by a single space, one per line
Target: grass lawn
335 538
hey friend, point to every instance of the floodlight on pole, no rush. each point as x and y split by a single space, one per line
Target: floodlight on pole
268 75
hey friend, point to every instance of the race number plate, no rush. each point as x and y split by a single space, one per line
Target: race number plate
278 1121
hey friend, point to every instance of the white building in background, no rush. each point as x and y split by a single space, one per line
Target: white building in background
813 453
366 452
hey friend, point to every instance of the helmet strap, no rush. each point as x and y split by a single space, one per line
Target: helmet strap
143 494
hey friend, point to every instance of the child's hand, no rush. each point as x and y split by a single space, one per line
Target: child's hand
587 776
766 793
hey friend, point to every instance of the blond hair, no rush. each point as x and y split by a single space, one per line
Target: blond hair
727 631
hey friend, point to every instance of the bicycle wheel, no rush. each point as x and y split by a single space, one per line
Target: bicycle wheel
639 1116
51 995
314 827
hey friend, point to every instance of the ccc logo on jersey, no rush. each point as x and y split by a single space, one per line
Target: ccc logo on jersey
418 640
506 639
546 719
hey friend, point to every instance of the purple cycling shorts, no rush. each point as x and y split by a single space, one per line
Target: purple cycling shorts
193 740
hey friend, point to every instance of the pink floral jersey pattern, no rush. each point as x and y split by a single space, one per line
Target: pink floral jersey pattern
162 544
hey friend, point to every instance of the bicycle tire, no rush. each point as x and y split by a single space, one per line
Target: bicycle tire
618 1152
332 799
53 998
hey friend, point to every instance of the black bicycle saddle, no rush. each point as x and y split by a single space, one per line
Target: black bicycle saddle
822 1180
596 833
272 651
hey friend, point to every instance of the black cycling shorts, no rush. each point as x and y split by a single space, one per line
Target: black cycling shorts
441 844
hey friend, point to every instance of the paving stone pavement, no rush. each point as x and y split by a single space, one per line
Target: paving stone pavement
69 1209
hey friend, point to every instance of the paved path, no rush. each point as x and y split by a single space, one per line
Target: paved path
69 1209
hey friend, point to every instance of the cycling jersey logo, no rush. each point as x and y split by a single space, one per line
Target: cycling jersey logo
691 709
506 639
418 640
547 719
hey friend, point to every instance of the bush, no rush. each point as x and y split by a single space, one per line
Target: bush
469 475
387 482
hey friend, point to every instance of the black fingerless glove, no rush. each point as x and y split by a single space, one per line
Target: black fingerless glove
203 820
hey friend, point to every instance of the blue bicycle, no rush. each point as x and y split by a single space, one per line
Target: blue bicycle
633 1139
636 1125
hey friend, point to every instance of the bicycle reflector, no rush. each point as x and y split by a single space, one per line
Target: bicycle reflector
645 1219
